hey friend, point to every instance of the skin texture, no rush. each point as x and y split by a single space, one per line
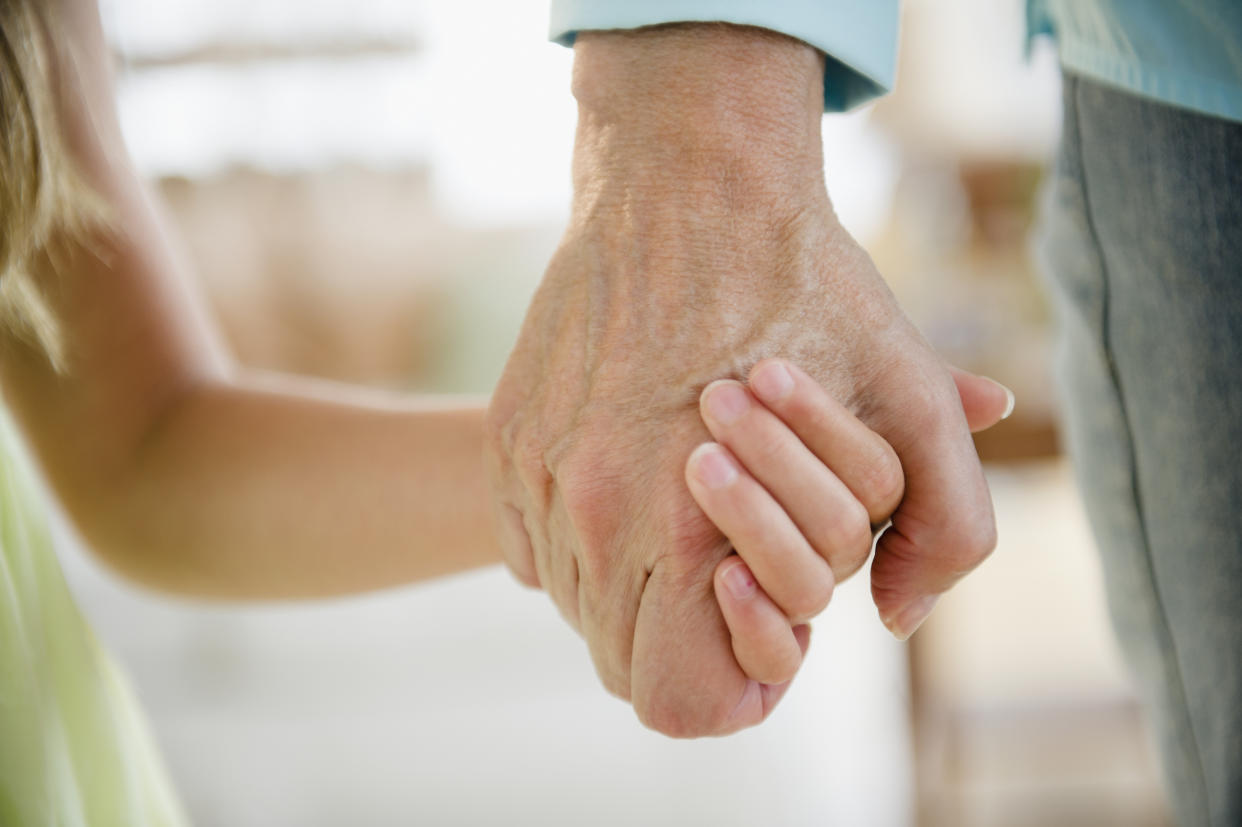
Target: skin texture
702 241
186 473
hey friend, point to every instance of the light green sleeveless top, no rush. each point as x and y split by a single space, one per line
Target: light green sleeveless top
74 748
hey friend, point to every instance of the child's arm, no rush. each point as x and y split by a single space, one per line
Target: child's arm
796 482
188 474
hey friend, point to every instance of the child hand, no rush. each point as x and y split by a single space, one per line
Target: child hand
796 482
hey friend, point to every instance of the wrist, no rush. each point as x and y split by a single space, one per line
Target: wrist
699 110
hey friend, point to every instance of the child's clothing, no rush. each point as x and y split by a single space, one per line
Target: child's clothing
74 748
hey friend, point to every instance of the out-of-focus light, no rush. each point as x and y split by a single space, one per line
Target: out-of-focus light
282 117
483 101
148 29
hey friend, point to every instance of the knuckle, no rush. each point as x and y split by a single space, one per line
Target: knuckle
581 485
967 545
564 589
611 655
615 684
847 565
857 528
809 600
597 565
938 416
847 528
528 453
595 562
684 720
781 668
531 469
883 483
568 609
500 425
888 592
522 571
666 719
978 542
592 503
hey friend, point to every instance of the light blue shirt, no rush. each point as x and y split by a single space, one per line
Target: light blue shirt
1187 53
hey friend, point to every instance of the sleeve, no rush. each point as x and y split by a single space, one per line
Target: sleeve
858 36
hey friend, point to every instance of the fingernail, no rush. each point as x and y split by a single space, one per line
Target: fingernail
713 468
1011 401
772 382
726 402
912 617
739 581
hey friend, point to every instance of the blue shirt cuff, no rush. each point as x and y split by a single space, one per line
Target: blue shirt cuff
858 36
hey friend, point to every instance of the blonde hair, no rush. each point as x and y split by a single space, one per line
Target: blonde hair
41 194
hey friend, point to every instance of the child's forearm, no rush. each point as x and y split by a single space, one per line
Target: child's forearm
179 470
188 475
278 488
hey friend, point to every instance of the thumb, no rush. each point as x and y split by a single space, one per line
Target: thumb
984 401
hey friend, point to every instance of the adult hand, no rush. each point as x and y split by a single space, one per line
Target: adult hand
777 485
701 241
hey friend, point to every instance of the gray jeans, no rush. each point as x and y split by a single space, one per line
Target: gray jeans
1143 247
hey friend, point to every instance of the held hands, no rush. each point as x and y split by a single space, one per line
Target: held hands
796 483
701 243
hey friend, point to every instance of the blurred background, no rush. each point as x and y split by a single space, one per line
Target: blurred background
369 191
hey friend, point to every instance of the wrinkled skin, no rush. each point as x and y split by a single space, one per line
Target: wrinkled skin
693 252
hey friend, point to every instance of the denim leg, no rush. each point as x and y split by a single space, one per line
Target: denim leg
1143 244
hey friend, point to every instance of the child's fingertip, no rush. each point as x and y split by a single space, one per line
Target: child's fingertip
771 381
711 466
711 386
739 580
